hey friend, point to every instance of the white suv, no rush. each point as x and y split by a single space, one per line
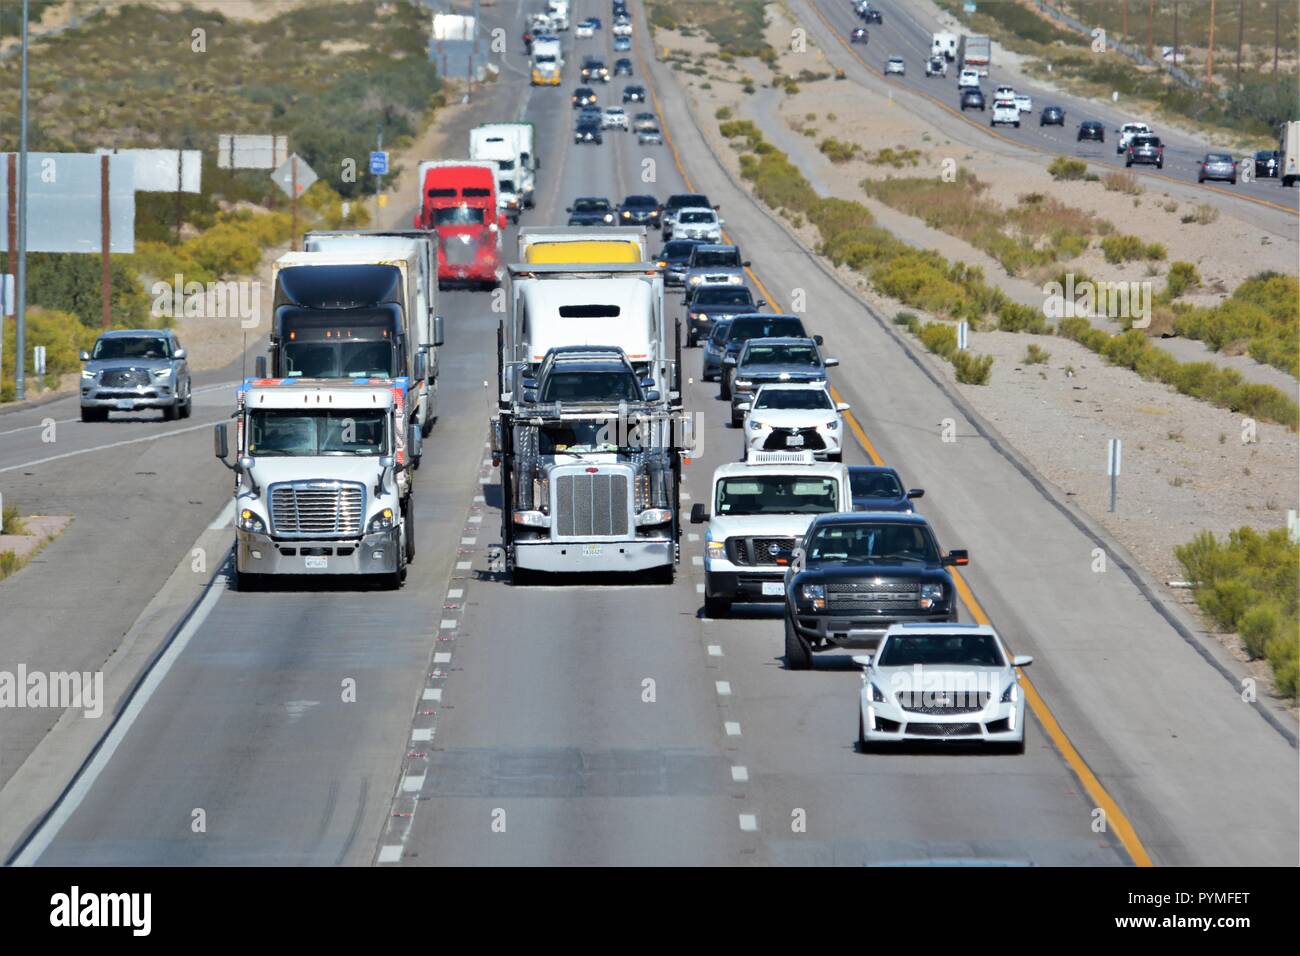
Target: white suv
797 417
1005 111
614 117
761 508
1127 132
968 78
699 223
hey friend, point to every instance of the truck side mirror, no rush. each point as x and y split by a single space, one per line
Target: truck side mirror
954 558
698 514
179 354
220 443
818 340
652 395
85 356
421 365
415 441
386 463
916 492
831 362
259 366
437 329
729 360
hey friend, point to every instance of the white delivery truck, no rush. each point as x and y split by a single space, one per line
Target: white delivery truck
323 478
340 315
583 244
428 323
509 145
975 53
559 11
1288 167
944 44
548 60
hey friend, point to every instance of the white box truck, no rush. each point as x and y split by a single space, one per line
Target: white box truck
510 146
1288 167
944 44
548 60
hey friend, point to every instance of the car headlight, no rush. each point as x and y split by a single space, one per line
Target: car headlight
931 594
743 383
382 521
695 280
877 695
161 373
1012 693
757 426
626 214
87 376
609 217
533 519
814 595
833 426
249 521
715 549
735 279
653 516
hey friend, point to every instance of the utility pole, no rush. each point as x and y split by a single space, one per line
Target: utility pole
1175 62
20 326
1209 54
1123 30
1241 26
1277 30
1151 10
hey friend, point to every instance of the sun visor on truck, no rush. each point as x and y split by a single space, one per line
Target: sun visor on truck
330 286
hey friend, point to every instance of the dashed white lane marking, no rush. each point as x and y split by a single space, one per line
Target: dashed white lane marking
740 774
422 733
692 536
748 822
697 560
699 589
468 540
116 444
479 499
464 565
475 519
485 480
442 657
732 727
685 496
447 624
724 688
433 693
390 854
455 593
715 650
413 783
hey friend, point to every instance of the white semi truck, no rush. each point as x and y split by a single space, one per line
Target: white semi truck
510 146
323 479
548 60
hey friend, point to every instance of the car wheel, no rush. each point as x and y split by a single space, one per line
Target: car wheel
1127 164
172 411
862 732
716 607
798 655
393 581
408 528
94 415
725 389
187 409
737 420
1200 179
663 575
1160 165
691 342
1017 124
1232 181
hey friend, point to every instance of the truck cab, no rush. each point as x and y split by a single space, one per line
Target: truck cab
758 510
459 203
548 59
323 479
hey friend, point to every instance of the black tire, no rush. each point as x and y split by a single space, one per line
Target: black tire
187 409
692 342
1017 124
862 732
1016 748
242 581
737 420
172 411
798 655
663 575
523 577
1200 180
716 607
393 580
94 414
1160 165
724 389
408 528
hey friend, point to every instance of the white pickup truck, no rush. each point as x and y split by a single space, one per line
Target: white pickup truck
323 480
758 511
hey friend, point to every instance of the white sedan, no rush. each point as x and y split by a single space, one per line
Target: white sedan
895 64
1024 103
950 683
614 117
584 30
622 27
794 417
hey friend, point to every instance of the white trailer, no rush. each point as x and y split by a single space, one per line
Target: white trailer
509 145
583 244
944 44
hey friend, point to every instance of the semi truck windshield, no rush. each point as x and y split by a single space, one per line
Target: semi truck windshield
458 216
347 358
289 432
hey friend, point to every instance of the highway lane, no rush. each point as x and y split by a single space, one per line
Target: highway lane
531 741
906 32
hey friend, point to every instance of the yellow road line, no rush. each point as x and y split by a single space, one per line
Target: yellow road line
1007 139
1115 817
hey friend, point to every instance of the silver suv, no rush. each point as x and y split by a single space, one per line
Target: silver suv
133 369
714 264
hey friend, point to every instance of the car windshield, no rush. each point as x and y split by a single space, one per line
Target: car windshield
941 650
591 386
349 358
719 333
1145 141
679 202
142 347
458 216
778 495
286 432
613 111
800 399
677 251
722 295
729 258
782 355
696 217
869 542
764 328
591 205
644 201
875 484
1218 158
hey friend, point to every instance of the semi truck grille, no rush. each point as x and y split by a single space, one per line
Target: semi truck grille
934 702
124 378
307 509
760 552
591 505
872 595
458 251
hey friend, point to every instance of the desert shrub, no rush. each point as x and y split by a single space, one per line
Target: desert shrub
1014 317
1065 167
1182 276
973 369
838 151
940 338
1036 355
1122 183
1119 249
63 334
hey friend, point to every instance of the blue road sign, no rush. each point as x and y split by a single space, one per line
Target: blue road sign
379 163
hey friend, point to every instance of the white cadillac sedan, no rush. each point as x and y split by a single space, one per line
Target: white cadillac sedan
949 683
794 417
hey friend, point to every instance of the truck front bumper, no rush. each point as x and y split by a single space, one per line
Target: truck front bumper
750 585
127 399
372 554
577 557
859 630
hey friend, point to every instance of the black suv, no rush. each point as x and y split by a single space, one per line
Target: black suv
583 96
634 94
588 131
590 211
1145 149
639 211
878 488
1051 116
707 304
972 99
1091 130
760 325
593 69
859 573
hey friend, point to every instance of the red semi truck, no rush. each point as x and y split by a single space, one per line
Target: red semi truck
459 201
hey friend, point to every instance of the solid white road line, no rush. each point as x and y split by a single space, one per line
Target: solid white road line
66 807
226 518
116 444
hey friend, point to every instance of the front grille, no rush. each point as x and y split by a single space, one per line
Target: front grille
935 702
101 394
760 552
124 378
591 505
872 595
779 440
317 508
944 730
458 251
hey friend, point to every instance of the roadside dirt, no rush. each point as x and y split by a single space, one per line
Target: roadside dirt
1188 466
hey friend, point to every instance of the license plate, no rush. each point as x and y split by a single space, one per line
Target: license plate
593 550
774 589
794 441
126 404
316 564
